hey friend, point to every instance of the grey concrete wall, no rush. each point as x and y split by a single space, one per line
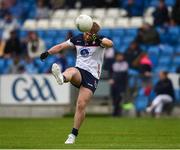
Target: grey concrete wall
33 111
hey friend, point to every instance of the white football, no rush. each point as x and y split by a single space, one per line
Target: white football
84 23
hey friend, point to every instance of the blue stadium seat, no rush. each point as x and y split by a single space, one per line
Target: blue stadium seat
63 33
153 53
52 33
141 102
31 68
1 32
141 92
48 64
41 33
164 37
153 50
39 65
154 59
58 40
177 96
76 32
23 34
176 61
173 68
173 34
70 61
131 32
152 96
32 11
133 72
154 3
49 42
128 39
165 60
173 30
52 59
105 32
133 81
118 32
123 48
8 63
170 2
166 50
155 79
144 47
17 10
177 49
161 68
2 65
117 42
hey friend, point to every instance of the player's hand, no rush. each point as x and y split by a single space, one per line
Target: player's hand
44 55
95 37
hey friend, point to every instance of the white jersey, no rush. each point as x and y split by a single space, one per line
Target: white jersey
89 55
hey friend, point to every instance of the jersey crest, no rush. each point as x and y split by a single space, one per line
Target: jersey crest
84 52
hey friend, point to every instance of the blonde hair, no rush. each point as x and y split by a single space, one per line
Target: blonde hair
95 28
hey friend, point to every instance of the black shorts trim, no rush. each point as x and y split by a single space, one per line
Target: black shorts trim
88 80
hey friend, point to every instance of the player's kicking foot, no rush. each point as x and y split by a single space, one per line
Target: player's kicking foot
71 139
57 73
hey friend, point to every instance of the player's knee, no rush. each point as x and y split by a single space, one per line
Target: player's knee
72 70
81 105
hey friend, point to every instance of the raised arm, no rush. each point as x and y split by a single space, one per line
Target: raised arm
107 42
59 47
55 49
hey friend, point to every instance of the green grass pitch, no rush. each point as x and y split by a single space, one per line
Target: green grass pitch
96 132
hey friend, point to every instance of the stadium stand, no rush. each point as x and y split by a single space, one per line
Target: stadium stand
116 24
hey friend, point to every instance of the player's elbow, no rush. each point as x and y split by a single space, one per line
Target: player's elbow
107 43
110 43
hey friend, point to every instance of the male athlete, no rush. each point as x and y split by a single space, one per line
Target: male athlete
86 73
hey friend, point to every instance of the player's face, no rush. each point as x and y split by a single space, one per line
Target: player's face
87 36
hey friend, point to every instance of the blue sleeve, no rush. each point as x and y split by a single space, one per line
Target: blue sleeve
72 40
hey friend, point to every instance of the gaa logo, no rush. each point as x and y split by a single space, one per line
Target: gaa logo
84 52
32 89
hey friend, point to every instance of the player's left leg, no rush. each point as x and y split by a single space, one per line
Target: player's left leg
83 99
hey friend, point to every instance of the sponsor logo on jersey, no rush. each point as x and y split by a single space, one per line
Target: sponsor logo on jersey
84 52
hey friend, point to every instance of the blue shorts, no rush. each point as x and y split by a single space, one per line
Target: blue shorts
88 80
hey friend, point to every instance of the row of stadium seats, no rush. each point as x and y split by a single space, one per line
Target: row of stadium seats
101 13
69 23
161 62
96 13
27 9
155 2
112 17
162 55
120 36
